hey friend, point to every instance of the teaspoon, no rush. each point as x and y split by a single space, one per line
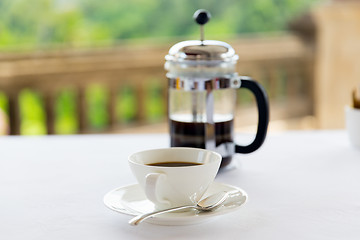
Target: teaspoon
209 203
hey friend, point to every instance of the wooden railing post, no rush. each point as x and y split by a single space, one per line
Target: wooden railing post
112 89
81 108
49 104
14 114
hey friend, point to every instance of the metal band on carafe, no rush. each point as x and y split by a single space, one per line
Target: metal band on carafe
210 138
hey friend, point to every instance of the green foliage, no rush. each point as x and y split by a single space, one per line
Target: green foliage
4 103
154 102
97 98
43 23
126 105
32 113
66 120
4 111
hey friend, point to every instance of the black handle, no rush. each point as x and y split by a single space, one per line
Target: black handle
263 113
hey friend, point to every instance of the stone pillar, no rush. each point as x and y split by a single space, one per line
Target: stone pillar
337 69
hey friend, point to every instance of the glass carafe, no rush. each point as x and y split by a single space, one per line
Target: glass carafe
202 94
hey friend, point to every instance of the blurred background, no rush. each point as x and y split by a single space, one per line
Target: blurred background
89 66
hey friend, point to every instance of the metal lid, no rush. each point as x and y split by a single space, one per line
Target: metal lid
201 58
201 52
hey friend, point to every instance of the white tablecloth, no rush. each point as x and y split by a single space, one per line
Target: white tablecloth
301 185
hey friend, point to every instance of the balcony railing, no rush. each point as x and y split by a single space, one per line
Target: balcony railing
106 90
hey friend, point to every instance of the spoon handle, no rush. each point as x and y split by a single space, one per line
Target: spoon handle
138 219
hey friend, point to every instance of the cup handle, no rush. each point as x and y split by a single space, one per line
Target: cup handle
151 188
263 113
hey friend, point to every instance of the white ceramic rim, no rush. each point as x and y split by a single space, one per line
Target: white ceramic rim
216 160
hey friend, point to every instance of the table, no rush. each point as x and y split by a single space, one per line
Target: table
301 185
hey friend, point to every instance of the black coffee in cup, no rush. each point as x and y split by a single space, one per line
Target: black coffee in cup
174 164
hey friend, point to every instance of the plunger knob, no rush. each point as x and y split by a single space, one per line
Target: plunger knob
202 16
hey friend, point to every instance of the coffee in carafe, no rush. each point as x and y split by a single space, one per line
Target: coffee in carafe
203 87
192 134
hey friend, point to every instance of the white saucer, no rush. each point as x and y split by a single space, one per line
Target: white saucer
131 200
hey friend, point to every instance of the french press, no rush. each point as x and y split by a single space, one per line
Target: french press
202 96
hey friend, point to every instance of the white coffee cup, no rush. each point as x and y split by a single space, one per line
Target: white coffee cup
170 186
353 125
